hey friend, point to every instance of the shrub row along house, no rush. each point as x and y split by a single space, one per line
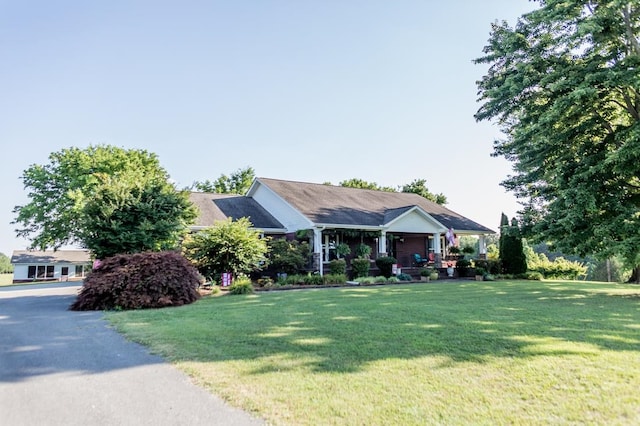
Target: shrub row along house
401 225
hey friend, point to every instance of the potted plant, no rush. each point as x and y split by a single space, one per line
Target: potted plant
430 273
468 250
363 251
480 273
450 269
425 274
343 249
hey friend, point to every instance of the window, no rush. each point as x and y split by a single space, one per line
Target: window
80 270
64 271
40 271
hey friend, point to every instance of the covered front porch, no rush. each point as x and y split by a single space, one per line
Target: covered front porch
412 250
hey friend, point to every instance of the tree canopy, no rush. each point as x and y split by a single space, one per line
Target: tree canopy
363 184
5 264
238 182
128 215
107 199
227 246
564 85
417 186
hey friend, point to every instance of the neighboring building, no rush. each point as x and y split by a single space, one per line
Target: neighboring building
391 223
60 265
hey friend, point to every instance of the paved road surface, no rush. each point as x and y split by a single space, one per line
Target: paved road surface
59 367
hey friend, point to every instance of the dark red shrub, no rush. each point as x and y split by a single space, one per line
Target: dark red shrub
138 281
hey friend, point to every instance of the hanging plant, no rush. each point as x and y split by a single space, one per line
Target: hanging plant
343 249
363 251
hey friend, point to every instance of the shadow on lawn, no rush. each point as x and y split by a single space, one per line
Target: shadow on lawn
342 330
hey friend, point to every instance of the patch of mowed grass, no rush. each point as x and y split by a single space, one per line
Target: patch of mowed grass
6 279
449 353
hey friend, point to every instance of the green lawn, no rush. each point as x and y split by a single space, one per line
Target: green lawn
441 353
6 279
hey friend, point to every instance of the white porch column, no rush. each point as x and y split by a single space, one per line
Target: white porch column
382 243
437 249
317 249
482 246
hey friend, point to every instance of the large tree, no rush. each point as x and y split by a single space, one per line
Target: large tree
564 85
363 184
238 182
5 264
419 186
86 196
128 214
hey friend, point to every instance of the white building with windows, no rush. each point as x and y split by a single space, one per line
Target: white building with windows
60 265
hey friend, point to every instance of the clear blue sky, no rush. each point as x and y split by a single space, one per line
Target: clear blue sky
314 91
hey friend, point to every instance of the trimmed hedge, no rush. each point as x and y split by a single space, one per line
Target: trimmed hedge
139 281
385 264
360 267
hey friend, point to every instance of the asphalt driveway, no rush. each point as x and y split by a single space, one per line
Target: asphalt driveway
59 367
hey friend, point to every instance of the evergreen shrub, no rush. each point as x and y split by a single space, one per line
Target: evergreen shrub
360 267
338 266
385 264
462 266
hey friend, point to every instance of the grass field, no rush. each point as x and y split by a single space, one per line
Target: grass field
415 354
6 279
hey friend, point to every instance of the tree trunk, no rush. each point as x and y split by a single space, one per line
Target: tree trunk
608 270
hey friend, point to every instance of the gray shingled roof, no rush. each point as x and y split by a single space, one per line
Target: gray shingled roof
215 207
49 257
329 204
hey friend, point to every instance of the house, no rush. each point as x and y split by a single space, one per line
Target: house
391 223
60 265
216 207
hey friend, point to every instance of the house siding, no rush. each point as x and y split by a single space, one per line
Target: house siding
21 272
415 223
49 265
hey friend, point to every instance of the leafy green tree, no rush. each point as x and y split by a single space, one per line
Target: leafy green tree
238 182
128 215
60 190
363 184
5 264
287 256
609 270
419 186
563 85
227 246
